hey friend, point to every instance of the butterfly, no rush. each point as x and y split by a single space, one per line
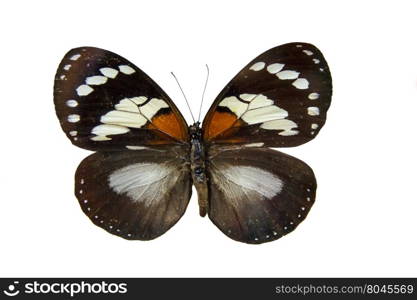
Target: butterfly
138 182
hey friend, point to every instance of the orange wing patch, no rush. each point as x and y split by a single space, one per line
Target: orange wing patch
219 122
169 124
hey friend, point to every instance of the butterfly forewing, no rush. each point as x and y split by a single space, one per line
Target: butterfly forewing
134 194
279 99
104 102
258 195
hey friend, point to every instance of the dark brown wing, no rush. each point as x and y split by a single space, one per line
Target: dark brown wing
279 99
258 195
137 194
104 102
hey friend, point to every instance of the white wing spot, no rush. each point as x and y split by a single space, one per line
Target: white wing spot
96 80
136 147
260 101
235 105
316 61
152 107
313 111
275 68
125 69
313 96
109 72
75 57
253 145
124 118
257 66
62 77
247 97
71 103
288 74
301 84
127 104
84 90
73 118
308 52
67 67
299 46
287 127
130 104
264 114
139 100
73 133
107 129
100 138
314 126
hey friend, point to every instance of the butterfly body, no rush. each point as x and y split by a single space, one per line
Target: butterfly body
137 184
198 166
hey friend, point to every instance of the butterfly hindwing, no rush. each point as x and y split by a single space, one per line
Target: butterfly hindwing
258 195
279 99
136 194
104 102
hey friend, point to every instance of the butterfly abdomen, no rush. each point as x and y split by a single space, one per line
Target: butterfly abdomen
198 168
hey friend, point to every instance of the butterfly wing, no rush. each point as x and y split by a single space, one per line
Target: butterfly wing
258 195
104 102
136 194
279 99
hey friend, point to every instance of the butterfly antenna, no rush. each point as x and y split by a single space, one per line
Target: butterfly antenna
204 91
186 101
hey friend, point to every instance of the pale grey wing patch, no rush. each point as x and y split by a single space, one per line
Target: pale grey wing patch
238 180
142 182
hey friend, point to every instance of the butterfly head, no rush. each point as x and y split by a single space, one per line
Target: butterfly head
195 131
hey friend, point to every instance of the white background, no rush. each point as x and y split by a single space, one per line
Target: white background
364 220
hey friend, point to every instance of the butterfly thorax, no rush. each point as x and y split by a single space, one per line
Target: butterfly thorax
198 169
